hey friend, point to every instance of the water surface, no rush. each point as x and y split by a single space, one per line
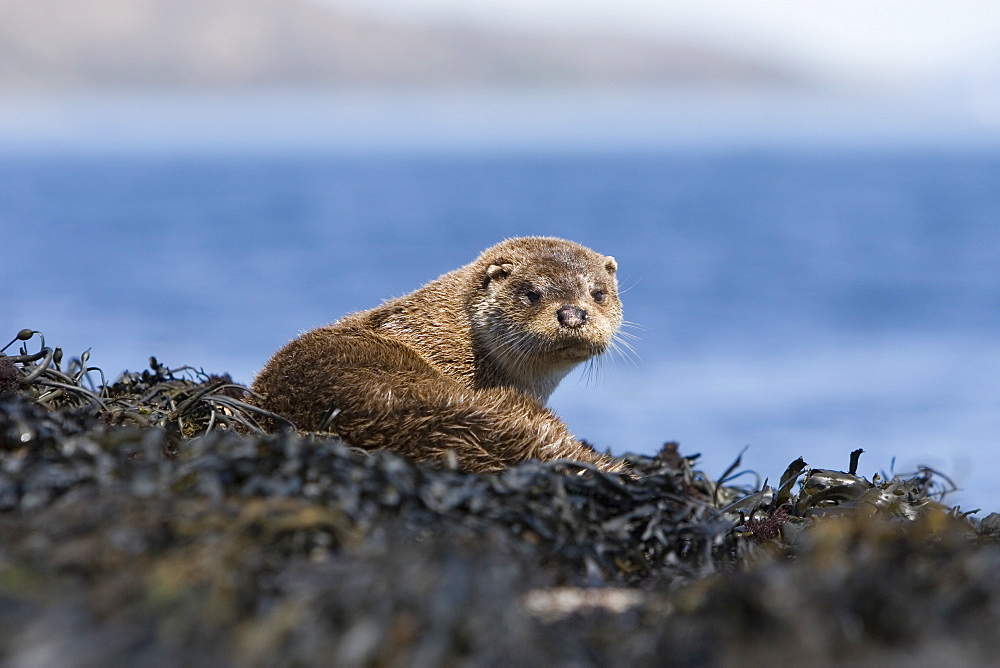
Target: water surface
802 301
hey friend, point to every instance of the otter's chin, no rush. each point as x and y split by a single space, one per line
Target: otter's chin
577 351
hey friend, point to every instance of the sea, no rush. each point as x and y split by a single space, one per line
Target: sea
784 299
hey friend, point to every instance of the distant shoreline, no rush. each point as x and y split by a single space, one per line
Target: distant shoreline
481 119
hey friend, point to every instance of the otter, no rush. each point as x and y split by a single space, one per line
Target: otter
459 371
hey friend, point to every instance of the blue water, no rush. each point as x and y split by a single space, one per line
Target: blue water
799 301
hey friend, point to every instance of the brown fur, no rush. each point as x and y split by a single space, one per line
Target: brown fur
459 369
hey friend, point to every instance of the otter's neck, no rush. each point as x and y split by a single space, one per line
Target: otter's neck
541 382
534 377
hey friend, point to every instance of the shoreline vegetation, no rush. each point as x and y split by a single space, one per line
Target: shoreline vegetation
149 519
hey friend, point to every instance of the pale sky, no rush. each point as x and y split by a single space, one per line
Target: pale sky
931 44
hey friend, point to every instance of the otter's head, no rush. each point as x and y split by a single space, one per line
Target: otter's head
543 306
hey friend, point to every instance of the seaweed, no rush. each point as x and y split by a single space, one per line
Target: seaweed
151 519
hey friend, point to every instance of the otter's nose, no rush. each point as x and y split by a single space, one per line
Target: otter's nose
571 316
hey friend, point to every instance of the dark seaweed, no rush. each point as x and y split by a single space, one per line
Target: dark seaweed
149 520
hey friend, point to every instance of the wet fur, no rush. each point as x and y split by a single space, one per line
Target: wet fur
460 369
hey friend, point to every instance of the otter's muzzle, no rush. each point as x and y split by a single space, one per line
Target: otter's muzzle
571 316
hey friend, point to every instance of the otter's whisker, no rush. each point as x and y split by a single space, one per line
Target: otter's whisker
619 342
625 351
634 283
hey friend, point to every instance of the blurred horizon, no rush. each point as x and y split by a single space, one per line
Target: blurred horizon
915 44
343 74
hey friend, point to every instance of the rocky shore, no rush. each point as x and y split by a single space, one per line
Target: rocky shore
147 521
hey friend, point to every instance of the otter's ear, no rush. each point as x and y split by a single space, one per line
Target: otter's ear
610 264
497 271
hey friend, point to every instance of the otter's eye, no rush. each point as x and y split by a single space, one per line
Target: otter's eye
533 296
598 296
